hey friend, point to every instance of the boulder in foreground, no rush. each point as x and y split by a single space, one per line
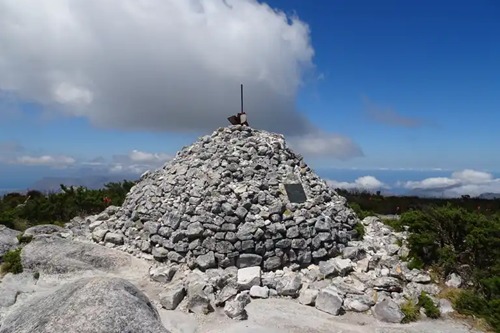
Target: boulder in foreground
89 305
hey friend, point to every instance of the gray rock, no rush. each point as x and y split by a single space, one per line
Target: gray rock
206 261
259 292
445 306
44 229
388 311
114 238
389 284
358 303
422 278
163 274
235 309
55 255
289 285
453 281
8 240
228 292
98 234
104 305
308 297
272 263
352 253
160 253
335 267
329 301
248 277
248 260
171 298
199 303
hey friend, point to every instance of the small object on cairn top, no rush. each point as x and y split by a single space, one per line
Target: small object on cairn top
241 117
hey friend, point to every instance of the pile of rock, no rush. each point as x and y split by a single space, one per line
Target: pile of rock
222 202
369 276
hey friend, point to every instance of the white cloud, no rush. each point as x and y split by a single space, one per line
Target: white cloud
49 160
325 145
160 65
365 182
138 161
463 182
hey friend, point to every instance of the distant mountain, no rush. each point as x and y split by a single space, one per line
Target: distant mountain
489 196
91 182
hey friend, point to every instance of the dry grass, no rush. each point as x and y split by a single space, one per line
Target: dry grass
452 294
479 324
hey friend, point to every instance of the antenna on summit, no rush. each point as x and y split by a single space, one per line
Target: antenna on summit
241 117
242 98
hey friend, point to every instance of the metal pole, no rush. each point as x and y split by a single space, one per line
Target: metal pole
241 98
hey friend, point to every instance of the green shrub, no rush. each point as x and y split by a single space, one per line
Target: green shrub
471 303
20 212
411 311
36 275
12 262
360 229
430 309
416 263
360 212
394 224
24 239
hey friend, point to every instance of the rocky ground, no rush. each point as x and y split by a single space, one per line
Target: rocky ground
70 284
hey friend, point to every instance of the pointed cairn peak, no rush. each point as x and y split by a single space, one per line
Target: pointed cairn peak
237 197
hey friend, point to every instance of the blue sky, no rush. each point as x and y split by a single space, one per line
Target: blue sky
410 84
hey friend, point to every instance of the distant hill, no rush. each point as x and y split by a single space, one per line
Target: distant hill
90 182
489 196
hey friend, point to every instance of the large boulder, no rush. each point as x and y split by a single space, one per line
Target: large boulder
55 255
8 240
89 305
44 229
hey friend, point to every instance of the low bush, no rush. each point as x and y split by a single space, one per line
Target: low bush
12 262
430 309
360 229
411 311
24 239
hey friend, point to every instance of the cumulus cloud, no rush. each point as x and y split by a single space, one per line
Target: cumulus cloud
362 183
325 145
390 116
138 161
465 182
49 160
159 65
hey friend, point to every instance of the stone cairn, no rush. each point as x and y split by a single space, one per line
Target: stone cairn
218 221
222 202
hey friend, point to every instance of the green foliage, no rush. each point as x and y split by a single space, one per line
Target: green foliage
411 311
472 303
430 309
388 205
36 275
394 224
416 263
360 229
359 212
24 239
19 211
12 262
449 237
